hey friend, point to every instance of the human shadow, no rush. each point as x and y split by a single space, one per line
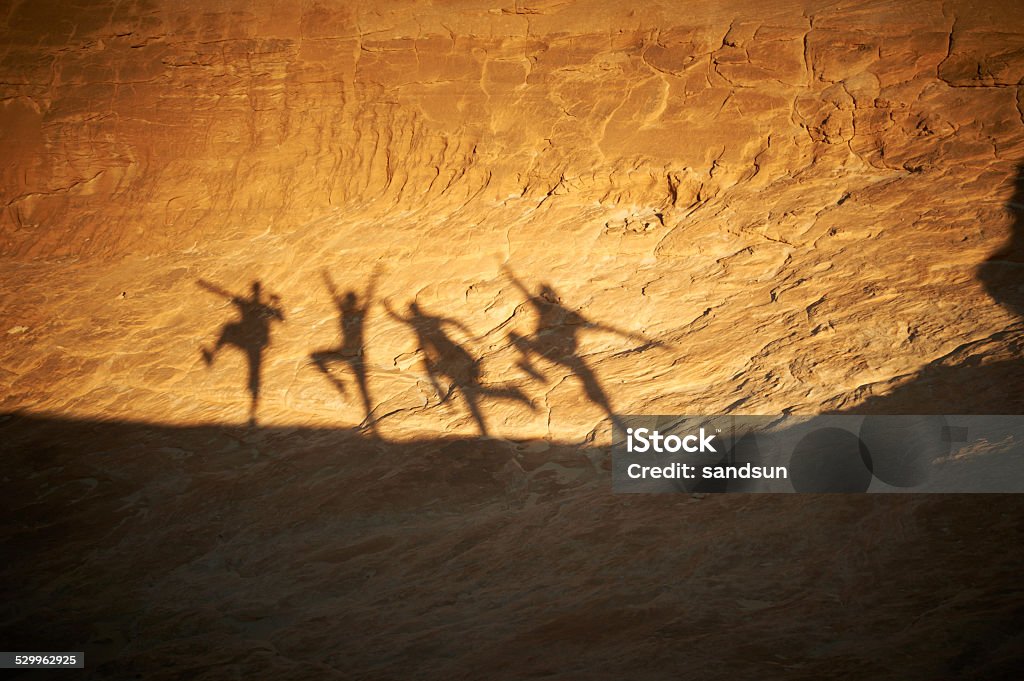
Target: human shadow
1003 273
250 334
352 350
446 360
556 340
984 376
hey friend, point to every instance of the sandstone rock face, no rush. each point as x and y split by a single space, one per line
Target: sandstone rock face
794 198
429 221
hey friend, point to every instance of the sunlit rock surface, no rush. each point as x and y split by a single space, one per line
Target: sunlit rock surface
514 220
794 198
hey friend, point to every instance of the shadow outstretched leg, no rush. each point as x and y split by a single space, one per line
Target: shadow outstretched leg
323 360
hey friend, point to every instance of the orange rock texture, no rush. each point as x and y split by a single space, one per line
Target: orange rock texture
793 197
362 224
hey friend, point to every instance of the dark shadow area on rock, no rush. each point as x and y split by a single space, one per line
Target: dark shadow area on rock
250 334
219 552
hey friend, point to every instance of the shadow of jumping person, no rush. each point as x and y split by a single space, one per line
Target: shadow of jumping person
443 358
250 334
556 339
352 350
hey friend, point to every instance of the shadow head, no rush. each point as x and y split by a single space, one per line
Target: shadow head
1003 273
547 292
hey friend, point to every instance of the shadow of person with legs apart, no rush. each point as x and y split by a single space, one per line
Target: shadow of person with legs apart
556 339
250 334
352 350
443 358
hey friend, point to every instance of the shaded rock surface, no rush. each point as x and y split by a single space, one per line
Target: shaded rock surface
297 553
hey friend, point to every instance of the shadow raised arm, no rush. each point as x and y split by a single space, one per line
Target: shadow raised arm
213 288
